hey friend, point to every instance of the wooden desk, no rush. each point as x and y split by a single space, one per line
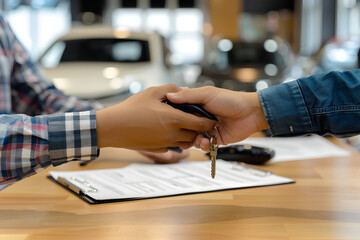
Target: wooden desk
323 204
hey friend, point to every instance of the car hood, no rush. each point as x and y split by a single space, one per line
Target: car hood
88 80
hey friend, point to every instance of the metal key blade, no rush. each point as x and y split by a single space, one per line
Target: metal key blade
213 167
213 154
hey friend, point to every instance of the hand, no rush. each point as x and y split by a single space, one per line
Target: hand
144 122
166 157
240 114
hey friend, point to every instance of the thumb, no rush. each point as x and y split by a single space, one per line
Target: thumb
194 95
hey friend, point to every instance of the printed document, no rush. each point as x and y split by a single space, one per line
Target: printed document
138 181
298 148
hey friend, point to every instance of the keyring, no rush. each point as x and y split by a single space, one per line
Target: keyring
207 135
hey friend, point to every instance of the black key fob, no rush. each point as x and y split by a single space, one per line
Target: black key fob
246 154
190 108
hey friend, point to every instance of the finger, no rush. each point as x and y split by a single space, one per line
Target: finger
169 88
195 123
161 148
185 145
216 133
197 140
185 136
205 144
213 131
194 95
153 155
166 157
184 88
173 156
157 150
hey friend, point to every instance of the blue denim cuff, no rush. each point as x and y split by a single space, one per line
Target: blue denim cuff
285 110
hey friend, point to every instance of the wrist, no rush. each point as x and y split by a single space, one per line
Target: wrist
259 113
107 129
100 129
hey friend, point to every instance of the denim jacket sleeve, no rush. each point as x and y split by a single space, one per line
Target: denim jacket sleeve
327 103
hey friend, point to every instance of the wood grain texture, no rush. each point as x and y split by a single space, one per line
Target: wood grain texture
323 204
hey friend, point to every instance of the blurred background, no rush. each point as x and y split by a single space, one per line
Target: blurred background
107 50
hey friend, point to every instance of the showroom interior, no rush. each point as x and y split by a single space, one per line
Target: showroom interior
93 145
243 45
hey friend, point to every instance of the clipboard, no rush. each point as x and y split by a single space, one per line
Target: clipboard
79 192
145 181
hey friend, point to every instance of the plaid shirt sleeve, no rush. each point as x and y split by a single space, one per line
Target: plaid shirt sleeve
32 93
29 140
30 144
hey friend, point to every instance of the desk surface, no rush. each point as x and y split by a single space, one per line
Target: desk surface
323 204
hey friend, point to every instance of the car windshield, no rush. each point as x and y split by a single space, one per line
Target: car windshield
97 49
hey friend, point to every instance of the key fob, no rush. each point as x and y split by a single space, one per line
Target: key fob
190 108
246 154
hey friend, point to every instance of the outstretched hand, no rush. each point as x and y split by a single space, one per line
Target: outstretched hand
144 122
240 114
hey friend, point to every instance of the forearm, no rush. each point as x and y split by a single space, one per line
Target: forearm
35 94
321 104
32 93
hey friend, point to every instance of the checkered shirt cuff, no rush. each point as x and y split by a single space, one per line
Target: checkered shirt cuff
72 136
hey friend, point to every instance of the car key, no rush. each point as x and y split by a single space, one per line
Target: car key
190 108
213 154
197 109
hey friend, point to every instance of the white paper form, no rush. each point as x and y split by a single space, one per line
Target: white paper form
298 148
138 181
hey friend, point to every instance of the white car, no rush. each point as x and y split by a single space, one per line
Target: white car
105 64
